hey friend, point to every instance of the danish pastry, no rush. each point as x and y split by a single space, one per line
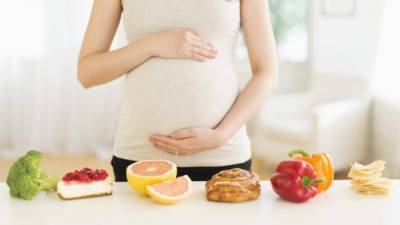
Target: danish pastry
234 185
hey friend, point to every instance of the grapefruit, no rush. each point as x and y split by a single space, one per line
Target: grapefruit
171 191
149 172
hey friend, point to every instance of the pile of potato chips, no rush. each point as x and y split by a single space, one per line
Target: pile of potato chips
367 179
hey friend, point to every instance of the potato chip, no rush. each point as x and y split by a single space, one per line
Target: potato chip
367 179
374 169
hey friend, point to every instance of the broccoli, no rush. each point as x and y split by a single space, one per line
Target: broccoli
25 178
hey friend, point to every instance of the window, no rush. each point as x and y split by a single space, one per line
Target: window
289 20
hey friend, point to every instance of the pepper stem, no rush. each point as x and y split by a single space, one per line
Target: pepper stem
298 152
306 181
318 180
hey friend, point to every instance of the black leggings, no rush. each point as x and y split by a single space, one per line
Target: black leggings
195 173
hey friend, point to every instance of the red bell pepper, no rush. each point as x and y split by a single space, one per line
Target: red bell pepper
295 180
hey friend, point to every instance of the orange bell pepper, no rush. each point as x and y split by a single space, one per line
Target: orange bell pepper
322 164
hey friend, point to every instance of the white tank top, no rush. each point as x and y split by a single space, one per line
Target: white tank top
163 95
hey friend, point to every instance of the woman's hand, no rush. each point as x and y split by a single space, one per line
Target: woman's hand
177 43
189 141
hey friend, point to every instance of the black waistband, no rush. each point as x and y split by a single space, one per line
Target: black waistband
198 173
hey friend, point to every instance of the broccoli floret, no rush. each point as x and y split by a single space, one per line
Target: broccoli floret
25 178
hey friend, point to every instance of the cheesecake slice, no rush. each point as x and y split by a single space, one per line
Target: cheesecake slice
84 183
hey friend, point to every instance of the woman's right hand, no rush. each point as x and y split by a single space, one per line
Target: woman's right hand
179 43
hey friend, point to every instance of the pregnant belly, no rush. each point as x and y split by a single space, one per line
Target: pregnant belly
163 95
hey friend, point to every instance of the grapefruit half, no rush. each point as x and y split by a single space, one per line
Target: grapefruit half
149 172
171 191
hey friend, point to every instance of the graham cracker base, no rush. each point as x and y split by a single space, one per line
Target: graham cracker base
85 196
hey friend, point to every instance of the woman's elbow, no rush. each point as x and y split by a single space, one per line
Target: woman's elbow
84 81
83 78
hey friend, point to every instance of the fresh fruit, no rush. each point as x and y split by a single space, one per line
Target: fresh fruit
171 191
25 178
149 172
85 175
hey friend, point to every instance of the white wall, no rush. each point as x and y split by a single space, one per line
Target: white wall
345 45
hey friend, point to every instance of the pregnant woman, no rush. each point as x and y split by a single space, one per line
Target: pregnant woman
181 99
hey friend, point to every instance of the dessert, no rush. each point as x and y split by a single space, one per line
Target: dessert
171 191
148 172
234 185
367 179
84 183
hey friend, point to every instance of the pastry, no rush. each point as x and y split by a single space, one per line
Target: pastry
84 183
234 185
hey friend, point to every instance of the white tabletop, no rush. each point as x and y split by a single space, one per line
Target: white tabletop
340 205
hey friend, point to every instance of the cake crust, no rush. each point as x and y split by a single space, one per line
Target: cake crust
235 185
85 196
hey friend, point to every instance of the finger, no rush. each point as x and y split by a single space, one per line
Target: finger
195 33
165 140
181 147
199 44
212 47
188 146
165 148
196 56
203 52
183 133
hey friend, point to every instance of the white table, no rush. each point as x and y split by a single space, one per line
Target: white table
340 205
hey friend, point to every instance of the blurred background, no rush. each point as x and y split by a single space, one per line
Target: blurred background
338 91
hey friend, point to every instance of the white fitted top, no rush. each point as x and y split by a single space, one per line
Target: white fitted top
163 95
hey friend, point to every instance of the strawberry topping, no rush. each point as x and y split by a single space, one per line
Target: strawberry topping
85 175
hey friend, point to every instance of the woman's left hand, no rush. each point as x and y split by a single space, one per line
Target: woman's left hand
189 141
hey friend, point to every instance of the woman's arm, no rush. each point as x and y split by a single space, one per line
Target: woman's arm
260 43
262 52
97 65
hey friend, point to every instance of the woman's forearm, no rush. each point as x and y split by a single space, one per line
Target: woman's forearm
260 43
174 43
104 67
248 102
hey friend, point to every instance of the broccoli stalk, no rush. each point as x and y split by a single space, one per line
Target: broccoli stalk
25 178
47 183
